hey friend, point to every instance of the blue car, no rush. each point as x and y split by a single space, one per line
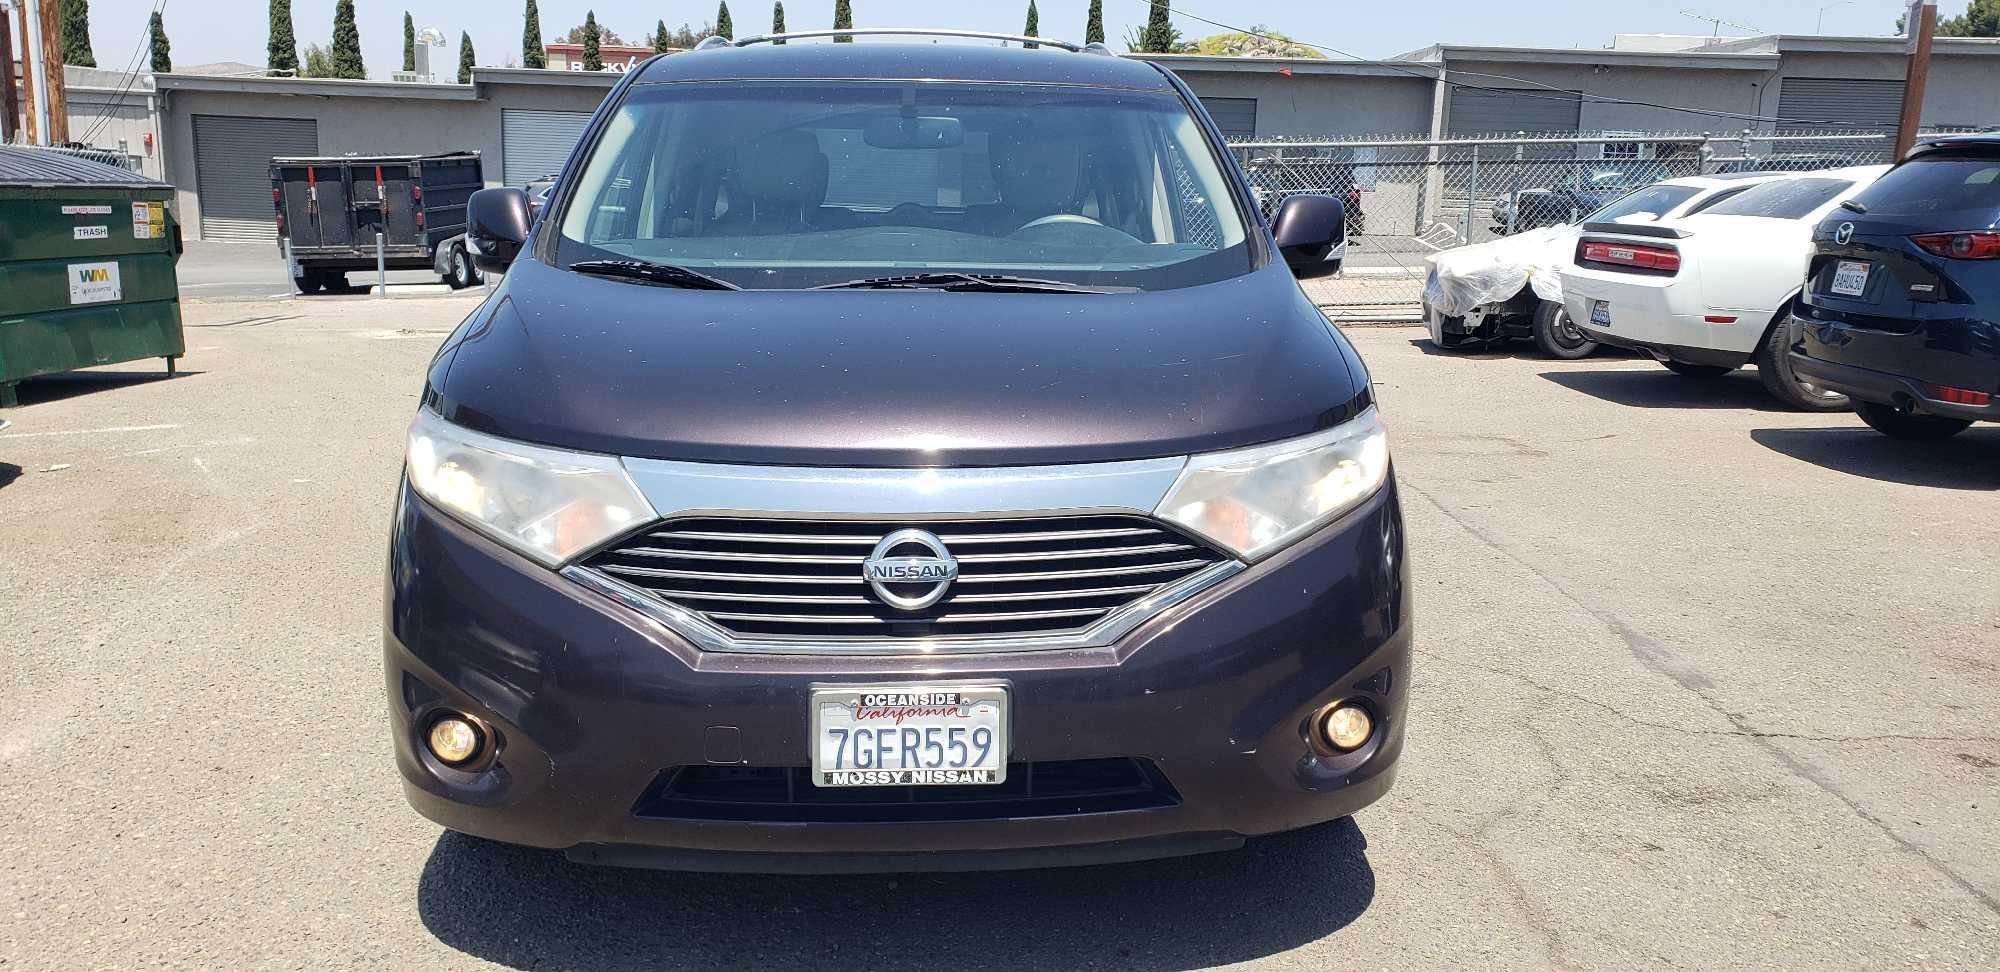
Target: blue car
1901 309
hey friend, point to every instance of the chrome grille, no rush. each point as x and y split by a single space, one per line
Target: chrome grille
793 578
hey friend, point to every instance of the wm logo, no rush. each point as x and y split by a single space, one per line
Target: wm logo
93 275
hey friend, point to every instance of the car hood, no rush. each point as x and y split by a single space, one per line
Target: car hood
896 377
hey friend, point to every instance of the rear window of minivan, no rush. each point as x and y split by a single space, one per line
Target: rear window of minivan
1935 184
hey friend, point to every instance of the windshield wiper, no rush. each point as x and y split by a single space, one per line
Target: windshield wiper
1850 204
997 283
663 274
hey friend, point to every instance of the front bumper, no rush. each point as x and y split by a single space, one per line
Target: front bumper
592 702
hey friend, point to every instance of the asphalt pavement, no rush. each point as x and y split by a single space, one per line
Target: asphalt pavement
256 271
1700 682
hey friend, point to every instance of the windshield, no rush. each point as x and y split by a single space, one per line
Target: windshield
1654 201
773 185
1783 199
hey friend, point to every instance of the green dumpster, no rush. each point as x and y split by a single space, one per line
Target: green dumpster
87 255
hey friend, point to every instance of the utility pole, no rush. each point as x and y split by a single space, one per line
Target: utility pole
31 75
55 108
8 104
1921 24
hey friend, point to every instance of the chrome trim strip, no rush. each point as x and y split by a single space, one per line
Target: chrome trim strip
682 488
709 637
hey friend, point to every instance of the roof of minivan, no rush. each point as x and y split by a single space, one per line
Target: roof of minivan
877 61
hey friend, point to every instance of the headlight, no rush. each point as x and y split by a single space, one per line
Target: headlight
1254 501
546 503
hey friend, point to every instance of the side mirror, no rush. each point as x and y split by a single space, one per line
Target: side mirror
1311 232
496 224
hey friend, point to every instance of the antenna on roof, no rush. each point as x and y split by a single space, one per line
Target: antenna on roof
1719 23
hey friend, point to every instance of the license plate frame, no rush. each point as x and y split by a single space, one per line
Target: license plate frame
1856 271
902 709
1600 313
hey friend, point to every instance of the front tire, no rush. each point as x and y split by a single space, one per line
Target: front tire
1687 370
1774 369
308 282
1558 336
1910 428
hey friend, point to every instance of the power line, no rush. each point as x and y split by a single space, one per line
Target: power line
145 43
1442 71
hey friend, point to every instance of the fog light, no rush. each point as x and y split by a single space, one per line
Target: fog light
454 740
1346 727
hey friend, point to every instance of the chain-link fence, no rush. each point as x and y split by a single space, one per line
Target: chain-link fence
1408 197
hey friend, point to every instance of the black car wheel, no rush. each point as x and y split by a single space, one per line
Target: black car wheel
1558 336
308 282
1774 369
1903 425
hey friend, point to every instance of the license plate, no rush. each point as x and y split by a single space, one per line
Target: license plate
909 735
1850 278
1600 313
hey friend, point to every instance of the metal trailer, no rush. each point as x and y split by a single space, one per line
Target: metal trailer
366 212
87 255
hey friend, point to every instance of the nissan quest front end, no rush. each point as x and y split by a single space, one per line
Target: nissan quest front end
896 457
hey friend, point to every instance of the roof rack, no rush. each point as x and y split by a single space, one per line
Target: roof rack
1092 48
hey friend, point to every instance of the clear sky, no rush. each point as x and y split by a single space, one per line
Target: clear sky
235 30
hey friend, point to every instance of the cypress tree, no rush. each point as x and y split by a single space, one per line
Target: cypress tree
593 57
1093 29
1034 25
409 42
465 58
723 27
73 17
843 19
532 53
346 49
282 53
661 38
163 60
778 19
1159 35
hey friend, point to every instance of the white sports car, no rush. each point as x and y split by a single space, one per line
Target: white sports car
1510 287
1706 293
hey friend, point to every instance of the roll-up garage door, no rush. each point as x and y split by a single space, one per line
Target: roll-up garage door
232 172
537 143
1237 117
1477 111
1839 102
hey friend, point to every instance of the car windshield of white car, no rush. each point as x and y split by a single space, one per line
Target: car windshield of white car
1783 199
1654 201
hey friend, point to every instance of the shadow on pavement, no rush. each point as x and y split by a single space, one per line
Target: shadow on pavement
70 384
8 473
1968 460
535 909
1664 389
1507 348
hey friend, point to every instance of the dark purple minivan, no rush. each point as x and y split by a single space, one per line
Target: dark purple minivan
897 457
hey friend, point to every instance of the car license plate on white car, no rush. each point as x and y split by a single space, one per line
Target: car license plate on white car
1850 278
1600 313
909 735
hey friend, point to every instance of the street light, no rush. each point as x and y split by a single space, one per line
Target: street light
1817 24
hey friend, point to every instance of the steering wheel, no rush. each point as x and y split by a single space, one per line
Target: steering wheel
1061 218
